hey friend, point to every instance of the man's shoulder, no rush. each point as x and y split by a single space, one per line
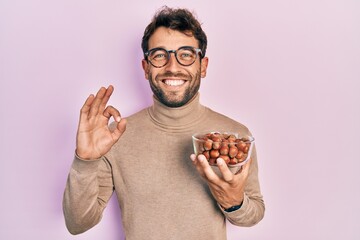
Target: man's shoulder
139 114
218 118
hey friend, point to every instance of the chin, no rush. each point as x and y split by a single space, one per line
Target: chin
174 104
173 99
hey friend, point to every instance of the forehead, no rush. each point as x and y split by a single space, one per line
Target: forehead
171 39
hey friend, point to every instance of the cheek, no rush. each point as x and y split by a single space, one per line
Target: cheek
149 72
146 68
152 76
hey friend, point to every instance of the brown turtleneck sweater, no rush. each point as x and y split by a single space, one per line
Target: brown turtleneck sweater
160 193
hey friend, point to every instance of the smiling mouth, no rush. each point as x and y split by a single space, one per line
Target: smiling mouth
175 83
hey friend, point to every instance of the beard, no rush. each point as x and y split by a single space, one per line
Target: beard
173 98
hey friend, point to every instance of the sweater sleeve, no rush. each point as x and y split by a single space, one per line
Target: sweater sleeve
253 207
88 189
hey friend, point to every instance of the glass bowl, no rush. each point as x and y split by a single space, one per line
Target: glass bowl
235 149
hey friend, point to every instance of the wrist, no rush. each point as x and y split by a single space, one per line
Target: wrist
233 208
83 155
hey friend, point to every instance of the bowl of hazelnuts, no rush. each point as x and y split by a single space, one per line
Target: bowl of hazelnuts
233 148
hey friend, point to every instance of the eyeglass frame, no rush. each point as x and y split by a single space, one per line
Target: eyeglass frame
197 51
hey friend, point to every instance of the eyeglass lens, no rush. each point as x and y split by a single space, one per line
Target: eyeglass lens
160 57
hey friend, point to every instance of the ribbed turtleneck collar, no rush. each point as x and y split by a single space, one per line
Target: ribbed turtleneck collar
177 118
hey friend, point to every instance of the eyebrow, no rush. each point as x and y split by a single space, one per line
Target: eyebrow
163 47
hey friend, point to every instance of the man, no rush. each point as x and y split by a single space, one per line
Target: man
145 157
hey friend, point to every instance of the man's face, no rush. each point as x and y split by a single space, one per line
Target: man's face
174 85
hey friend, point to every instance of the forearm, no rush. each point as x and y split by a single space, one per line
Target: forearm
250 213
87 192
253 207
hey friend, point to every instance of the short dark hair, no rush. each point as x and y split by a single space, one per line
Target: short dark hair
176 19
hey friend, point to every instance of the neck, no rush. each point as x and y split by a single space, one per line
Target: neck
177 118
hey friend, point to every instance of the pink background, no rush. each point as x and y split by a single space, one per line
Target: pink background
288 69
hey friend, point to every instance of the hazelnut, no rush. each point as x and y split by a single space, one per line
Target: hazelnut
214 153
233 151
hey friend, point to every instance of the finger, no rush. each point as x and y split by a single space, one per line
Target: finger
246 167
209 174
106 97
225 171
195 161
94 109
244 170
119 130
84 111
111 111
193 158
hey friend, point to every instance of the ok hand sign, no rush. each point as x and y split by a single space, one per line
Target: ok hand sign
94 137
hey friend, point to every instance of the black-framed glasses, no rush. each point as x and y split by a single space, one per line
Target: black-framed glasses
185 56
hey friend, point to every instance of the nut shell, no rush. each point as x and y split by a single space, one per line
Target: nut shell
226 146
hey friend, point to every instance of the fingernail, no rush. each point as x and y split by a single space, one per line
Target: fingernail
118 119
219 161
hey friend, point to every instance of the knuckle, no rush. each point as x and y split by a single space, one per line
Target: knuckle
228 178
213 179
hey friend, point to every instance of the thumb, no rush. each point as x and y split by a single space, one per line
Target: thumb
245 168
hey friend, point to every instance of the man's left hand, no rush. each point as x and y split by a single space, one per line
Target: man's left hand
227 190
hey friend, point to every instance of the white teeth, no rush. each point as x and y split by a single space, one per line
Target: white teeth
174 82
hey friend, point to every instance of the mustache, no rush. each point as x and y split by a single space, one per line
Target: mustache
171 74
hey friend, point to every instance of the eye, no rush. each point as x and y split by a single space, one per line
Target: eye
158 55
186 54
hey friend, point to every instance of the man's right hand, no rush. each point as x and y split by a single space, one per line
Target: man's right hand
94 137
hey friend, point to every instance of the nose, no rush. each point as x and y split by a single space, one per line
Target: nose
172 64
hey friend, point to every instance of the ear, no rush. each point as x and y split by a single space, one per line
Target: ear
204 64
146 68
